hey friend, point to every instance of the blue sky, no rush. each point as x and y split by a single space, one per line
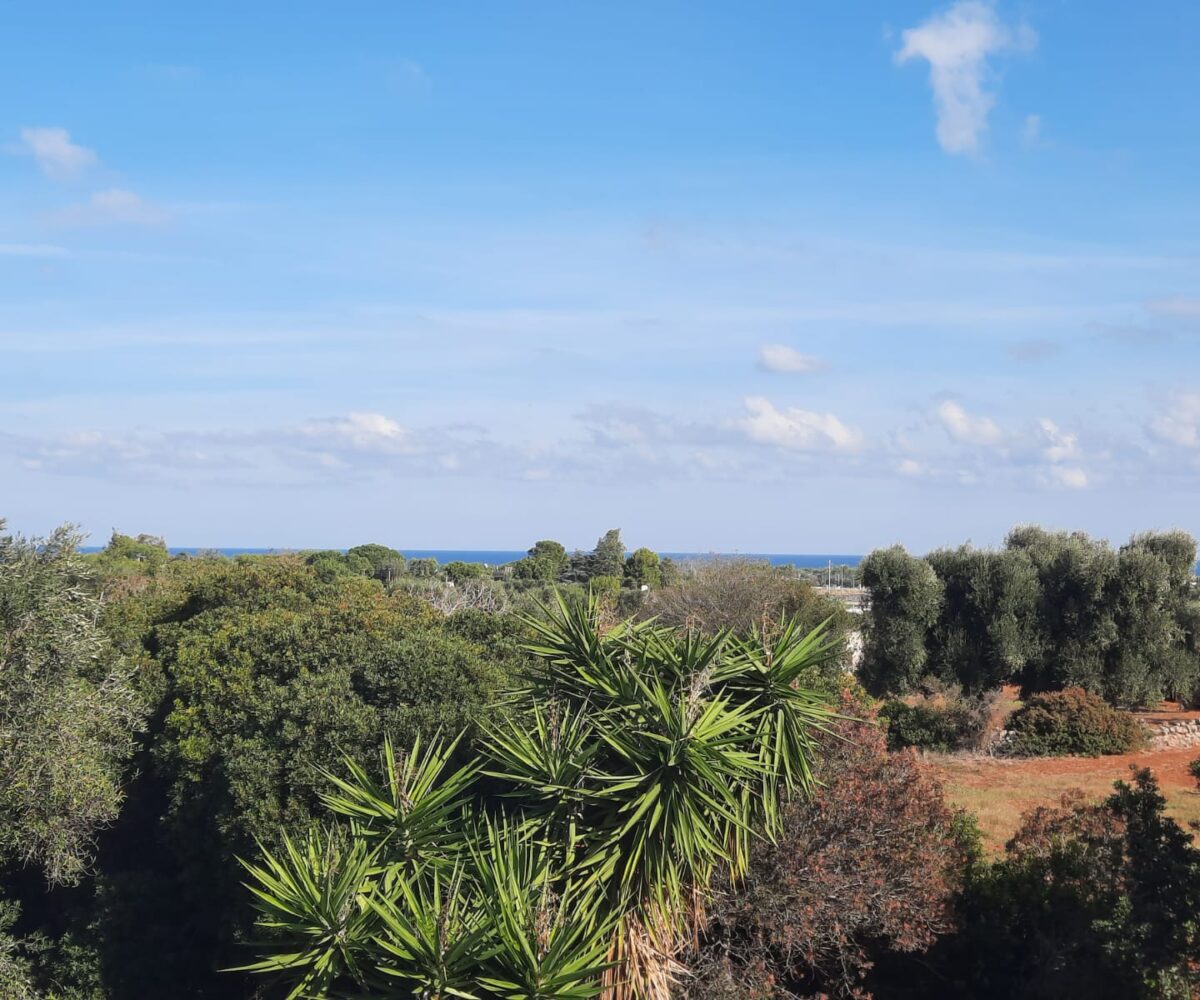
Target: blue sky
778 277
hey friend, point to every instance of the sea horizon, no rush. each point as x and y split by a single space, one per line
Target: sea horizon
499 557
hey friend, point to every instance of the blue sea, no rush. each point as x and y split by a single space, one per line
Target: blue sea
497 557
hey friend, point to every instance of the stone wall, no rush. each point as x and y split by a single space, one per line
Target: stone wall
1165 734
1173 734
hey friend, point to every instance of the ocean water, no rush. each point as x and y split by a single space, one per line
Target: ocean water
497 557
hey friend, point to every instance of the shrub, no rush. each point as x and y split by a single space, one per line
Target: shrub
741 594
1194 770
1073 721
940 718
867 866
930 726
1090 902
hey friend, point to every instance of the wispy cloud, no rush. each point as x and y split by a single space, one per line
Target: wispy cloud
32 250
966 429
1060 445
1180 423
54 152
1175 306
1031 131
1032 351
1070 476
787 360
957 44
113 206
356 445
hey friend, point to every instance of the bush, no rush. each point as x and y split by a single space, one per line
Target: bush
1089 902
1059 723
865 868
940 718
931 726
1194 770
742 594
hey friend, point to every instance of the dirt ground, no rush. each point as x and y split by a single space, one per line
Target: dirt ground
998 791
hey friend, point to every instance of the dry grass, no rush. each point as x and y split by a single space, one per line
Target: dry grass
999 791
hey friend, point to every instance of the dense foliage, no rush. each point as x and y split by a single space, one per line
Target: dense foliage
257 672
1090 902
161 716
941 725
1048 611
68 712
1072 722
635 763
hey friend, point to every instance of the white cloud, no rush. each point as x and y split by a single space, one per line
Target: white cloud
1070 476
963 427
957 43
113 206
1060 445
784 359
54 152
1180 425
360 432
796 429
910 467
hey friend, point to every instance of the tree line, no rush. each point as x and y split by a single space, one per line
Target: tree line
1047 611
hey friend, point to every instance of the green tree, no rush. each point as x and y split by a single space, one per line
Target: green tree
987 622
386 564
1138 598
263 674
1075 620
128 556
68 714
545 561
68 710
1179 665
906 598
1090 902
423 569
458 572
643 567
608 557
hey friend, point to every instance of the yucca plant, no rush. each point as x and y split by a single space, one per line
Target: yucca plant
544 756
315 897
434 936
413 814
679 747
552 929
764 672
632 764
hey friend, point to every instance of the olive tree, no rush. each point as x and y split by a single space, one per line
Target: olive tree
906 598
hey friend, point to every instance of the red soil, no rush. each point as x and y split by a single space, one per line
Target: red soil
1169 766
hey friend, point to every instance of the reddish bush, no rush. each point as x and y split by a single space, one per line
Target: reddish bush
871 860
1072 722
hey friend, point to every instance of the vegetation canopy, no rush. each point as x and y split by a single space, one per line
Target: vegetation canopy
632 764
